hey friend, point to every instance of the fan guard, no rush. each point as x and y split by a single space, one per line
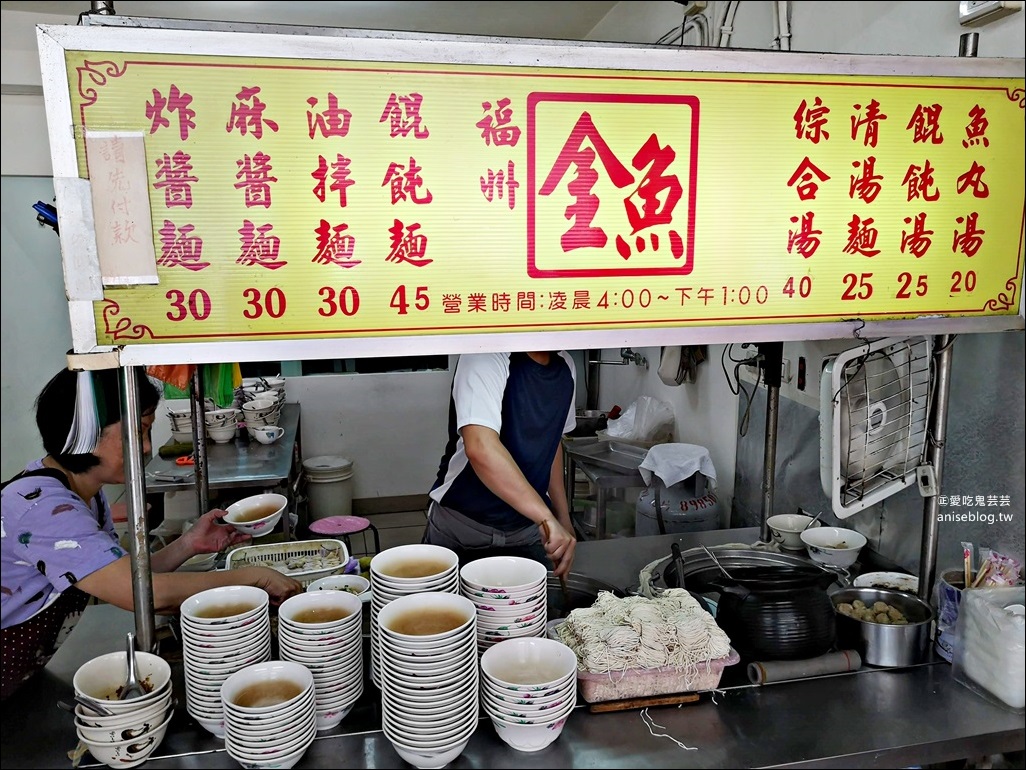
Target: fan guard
874 409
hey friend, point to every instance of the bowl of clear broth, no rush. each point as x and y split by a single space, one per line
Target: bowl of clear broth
256 515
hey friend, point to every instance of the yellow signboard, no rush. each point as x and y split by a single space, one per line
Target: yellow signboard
301 199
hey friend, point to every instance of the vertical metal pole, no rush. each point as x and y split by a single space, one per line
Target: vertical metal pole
938 428
935 453
772 361
135 491
199 443
102 7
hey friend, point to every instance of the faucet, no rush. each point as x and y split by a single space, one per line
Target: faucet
627 356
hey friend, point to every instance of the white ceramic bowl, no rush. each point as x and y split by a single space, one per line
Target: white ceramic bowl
786 529
265 434
127 753
256 515
301 612
225 605
511 573
834 546
221 434
272 675
528 663
216 418
411 566
528 737
403 617
102 677
354 584
201 562
140 727
182 436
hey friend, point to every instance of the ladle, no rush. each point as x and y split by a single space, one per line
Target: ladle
87 703
132 688
814 520
717 563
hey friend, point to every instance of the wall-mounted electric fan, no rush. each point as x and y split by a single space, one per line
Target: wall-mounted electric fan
874 408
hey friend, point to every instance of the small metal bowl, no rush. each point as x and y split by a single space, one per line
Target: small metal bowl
883 644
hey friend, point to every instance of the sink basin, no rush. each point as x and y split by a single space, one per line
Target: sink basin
589 422
613 455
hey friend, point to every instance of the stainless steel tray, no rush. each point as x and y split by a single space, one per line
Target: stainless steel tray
613 455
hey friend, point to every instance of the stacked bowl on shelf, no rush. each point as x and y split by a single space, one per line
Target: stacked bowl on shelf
224 630
528 689
405 570
136 725
510 594
269 714
322 630
429 676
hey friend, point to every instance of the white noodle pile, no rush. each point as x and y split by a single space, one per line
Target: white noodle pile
636 632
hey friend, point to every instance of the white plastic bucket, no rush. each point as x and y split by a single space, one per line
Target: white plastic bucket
329 486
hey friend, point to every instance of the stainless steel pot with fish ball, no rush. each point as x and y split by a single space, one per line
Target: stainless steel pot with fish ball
882 644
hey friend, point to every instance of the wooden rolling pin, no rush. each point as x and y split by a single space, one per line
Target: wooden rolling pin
641 703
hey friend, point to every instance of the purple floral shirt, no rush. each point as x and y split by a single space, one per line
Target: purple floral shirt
49 540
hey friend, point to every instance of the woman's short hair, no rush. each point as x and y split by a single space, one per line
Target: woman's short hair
55 410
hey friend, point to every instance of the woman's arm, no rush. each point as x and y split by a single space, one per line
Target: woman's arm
205 536
113 584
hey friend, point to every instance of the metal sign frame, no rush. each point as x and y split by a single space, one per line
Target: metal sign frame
125 35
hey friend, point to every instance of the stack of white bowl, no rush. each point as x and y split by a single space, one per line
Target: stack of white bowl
322 630
261 412
405 570
181 424
528 689
511 597
429 676
269 715
224 630
137 725
221 424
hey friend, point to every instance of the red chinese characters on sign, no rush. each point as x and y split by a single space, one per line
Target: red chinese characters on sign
247 114
334 245
402 113
259 246
404 183
340 178
175 178
868 122
804 179
976 128
497 125
255 178
176 101
407 245
924 126
180 248
810 121
499 184
631 194
331 121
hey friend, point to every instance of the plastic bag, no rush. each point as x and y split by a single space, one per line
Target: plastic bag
643 420
990 658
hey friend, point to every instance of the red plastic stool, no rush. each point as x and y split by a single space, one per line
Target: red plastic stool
344 527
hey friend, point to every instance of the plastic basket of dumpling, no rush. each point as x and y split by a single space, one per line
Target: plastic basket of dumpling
305 560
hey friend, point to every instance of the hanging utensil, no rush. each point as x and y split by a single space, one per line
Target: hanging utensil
562 579
814 520
132 688
716 562
678 564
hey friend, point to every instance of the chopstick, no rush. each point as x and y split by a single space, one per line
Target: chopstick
562 578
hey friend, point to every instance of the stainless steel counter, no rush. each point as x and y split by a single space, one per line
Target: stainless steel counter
873 718
234 465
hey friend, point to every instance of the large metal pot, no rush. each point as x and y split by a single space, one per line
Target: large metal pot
880 644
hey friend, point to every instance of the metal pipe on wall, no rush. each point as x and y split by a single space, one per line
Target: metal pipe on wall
772 354
199 443
135 493
937 434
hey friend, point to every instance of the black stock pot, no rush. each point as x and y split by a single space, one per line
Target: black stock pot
772 606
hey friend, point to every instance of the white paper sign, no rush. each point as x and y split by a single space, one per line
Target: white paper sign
121 207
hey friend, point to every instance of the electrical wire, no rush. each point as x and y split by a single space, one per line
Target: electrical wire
740 389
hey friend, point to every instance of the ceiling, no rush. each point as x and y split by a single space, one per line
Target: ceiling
554 20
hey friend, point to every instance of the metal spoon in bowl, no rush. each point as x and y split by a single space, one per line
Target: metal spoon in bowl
814 520
132 688
87 703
